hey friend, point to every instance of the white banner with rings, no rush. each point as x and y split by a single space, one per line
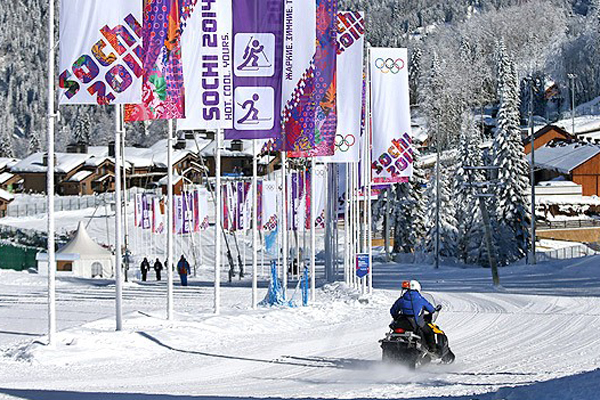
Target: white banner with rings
392 150
350 51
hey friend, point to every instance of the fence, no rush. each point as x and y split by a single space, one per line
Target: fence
566 253
17 257
567 224
34 205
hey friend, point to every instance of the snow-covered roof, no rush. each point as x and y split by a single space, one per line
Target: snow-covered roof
4 195
564 156
83 245
585 125
79 176
7 162
5 177
65 163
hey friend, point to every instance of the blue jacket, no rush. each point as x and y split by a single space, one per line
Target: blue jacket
411 304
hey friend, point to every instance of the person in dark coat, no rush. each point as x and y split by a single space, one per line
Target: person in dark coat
158 268
144 268
183 268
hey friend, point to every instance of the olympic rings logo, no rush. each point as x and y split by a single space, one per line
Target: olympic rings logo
344 143
389 65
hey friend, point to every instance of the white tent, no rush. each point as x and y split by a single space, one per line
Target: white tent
81 257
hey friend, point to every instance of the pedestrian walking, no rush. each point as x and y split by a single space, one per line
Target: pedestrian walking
144 268
158 267
183 268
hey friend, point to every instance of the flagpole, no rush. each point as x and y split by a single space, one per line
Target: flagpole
125 199
169 226
313 236
50 181
118 221
284 222
368 177
346 230
254 225
218 194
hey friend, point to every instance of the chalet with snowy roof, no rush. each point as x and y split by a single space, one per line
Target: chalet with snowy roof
5 199
545 135
573 160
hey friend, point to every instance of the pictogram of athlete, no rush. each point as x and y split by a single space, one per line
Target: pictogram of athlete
252 113
251 56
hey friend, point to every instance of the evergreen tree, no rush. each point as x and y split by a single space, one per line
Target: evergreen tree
34 143
414 74
511 211
82 131
468 217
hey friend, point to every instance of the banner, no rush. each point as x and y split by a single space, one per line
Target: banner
137 210
178 214
318 197
392 152
203 209
162 85
188 213
297 211
146 204
257 69
350 55
158 217
309 114
100 52
207 66
269 206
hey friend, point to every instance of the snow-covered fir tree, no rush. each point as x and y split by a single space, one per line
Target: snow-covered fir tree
34 143
447 222
82 131
468 217
6 145
511 211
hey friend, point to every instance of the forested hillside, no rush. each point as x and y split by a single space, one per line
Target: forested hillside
547 38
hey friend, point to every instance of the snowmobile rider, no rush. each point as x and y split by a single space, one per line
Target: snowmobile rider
407 312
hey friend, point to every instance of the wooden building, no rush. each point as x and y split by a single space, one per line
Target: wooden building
545 135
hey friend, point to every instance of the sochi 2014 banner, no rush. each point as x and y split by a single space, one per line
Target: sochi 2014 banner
297 192
318 197
269 206
158 216
207 64
309 115
350 54
100 52
146 204
392 153
257 69
162 89
203 209
137 210
188 213
177 214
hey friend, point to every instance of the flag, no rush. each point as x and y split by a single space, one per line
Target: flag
146 202
309 114
100 52
269 205
350 54
203 209
392 151
162 85
257 69
158 216
318 197
207 71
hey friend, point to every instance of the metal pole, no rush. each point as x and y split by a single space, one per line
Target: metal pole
284 223
118 221
572 78
437 204
313 236
125 201
218 195
347 228
170 208
488 241
50 181
532 171
368 180
254 225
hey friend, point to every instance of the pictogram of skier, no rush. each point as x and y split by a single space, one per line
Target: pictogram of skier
251 56
252 113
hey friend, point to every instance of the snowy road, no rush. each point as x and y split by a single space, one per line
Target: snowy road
517 344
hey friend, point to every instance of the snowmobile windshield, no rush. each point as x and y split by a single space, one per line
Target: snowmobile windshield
429 297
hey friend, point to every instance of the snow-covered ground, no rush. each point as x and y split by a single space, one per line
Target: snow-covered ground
535 338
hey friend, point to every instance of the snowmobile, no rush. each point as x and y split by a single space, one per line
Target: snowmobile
404 344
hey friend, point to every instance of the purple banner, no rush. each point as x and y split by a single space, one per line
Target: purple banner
257 68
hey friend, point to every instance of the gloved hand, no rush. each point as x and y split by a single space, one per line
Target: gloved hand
438 307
